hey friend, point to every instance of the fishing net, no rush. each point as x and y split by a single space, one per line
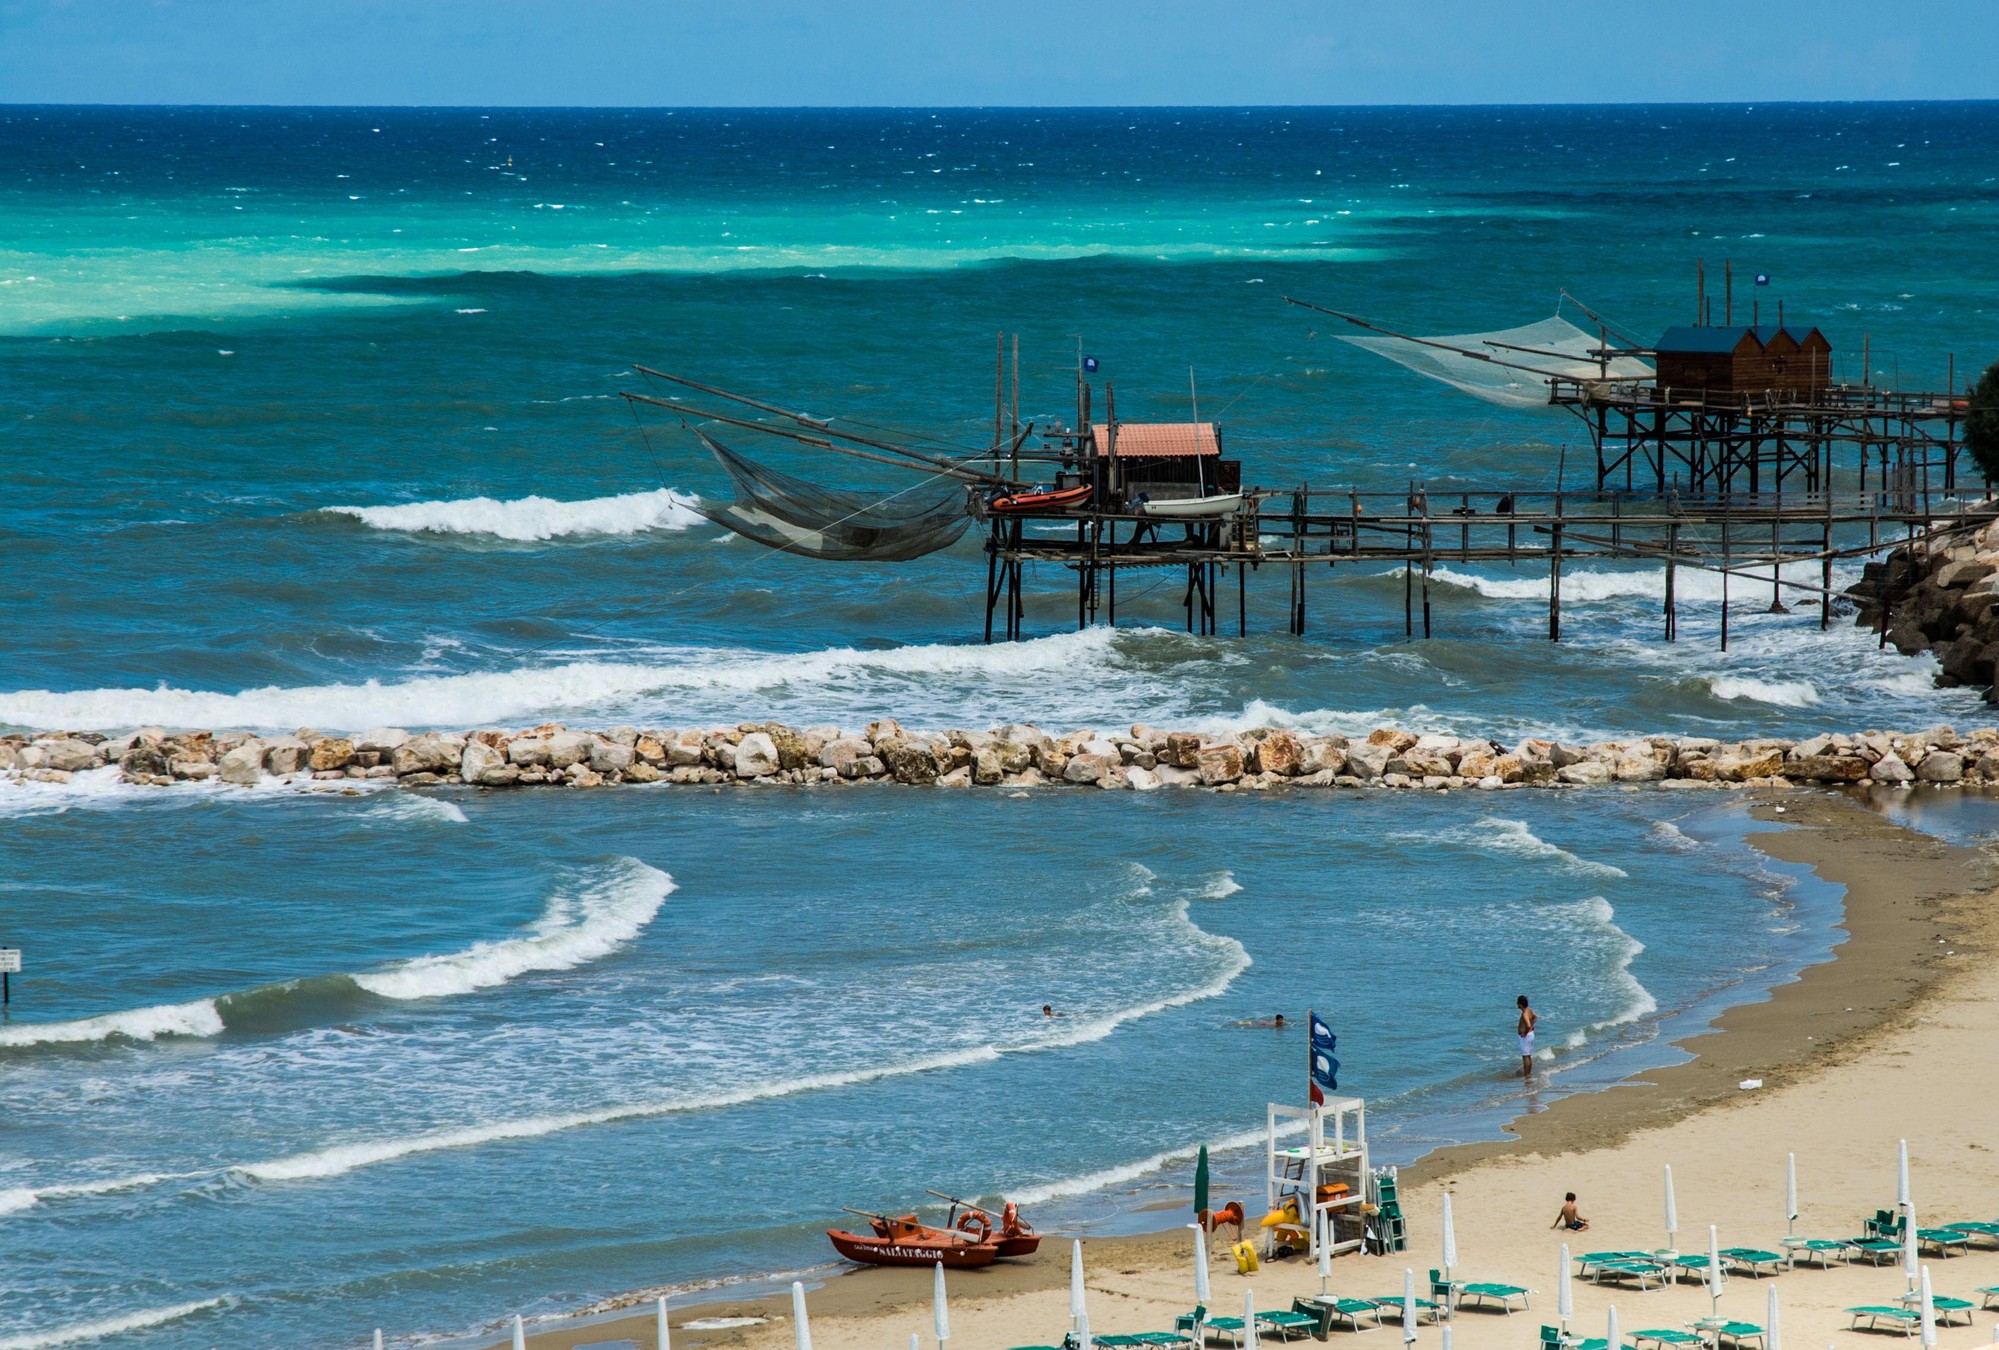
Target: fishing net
794 516
1554 348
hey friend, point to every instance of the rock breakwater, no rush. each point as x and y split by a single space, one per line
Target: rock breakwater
1018 756
1940 593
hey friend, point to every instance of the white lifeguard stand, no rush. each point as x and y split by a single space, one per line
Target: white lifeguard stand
1333 1156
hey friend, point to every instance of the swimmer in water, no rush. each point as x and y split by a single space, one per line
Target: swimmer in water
1264 1023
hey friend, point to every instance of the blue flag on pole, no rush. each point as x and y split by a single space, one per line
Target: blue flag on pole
1090 364
1325 1069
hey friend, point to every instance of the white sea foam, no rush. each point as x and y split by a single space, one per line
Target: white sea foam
97 789
410 807
574 929
1220 887
535 691
1123 1173
530 519
1515 838
1582 585
1638 1000
1777 693
27 1197
108 1326
199 1018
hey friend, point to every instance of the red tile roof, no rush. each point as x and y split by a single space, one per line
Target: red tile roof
1146 440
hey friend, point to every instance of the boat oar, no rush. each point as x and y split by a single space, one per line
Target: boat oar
966 1205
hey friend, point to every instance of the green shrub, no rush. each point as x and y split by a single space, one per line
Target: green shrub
1981 424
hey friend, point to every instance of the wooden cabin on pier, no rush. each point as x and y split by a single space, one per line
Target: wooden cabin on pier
1162 461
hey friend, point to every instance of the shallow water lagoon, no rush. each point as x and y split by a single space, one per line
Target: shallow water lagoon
583 1043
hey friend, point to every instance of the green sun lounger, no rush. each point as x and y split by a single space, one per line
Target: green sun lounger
1230 1327
1739 1334
1161 1339
1974 1229
1424 1307
1329 1310
1638 1272
1589 1261
1875 1314
1943 1239
1665 1337
1754 1259
1826 1250
1879 1250
1284 1323
1502 1294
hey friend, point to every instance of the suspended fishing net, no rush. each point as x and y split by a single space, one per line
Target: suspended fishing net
794 516
1508 366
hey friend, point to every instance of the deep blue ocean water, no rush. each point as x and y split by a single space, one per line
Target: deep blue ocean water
311 419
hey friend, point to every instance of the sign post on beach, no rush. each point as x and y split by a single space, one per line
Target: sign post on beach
10 966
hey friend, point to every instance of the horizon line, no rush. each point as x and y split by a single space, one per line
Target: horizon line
999 107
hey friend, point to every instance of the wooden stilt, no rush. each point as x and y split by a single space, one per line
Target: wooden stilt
1672 562
1555 584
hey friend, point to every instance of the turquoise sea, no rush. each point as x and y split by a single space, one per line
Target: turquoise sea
312 418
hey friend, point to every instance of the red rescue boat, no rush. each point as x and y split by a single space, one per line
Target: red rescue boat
905 1241
1026 501
1015 1236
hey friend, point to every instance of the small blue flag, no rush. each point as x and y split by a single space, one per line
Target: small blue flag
1762 278
1090 364
1325 1069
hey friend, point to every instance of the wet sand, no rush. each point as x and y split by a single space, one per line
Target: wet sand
1888 1039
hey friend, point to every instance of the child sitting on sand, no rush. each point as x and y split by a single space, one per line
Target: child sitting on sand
1568 1218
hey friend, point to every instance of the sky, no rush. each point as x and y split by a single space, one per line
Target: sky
933 53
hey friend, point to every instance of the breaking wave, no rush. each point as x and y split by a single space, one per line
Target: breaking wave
580 924
1515 838
1777 693
202 1017
574 929
18 1198
532 519
108 1326
1638 1000
540 691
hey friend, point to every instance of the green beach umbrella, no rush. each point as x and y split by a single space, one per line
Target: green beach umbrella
1201 1180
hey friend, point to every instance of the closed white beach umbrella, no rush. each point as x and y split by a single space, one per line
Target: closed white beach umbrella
378 1338
1790 1193
520 1334
1910 1255
1326 1249
1565 1292
1929 1312
801 1329
1713 1265
660 1331
1902 1173
1672 1211
1083 1337
1408 1306
1773 1337
1076 1309
915 1341
1612 1339
940 1312
1450 1238
1249 1319
1444 1337
1200 1265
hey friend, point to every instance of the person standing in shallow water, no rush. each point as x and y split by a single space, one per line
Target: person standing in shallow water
1525 1030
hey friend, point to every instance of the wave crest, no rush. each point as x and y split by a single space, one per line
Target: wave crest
1777 693
108 1326
573 930
533 519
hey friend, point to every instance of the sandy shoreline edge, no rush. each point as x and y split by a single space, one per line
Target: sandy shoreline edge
1902 891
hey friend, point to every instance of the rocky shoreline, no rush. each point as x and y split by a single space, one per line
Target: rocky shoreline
1015 756
1940 593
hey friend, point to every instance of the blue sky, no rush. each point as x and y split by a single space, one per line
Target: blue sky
957 52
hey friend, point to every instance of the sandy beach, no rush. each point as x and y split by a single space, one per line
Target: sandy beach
1887 1040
